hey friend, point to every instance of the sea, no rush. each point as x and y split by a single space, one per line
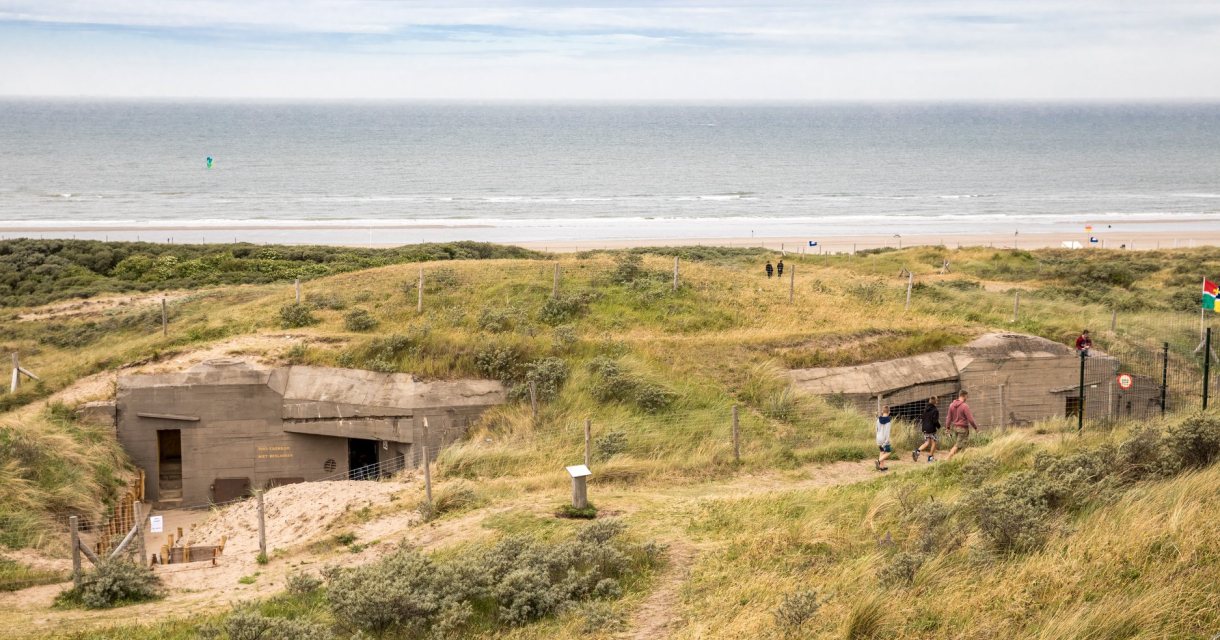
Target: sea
367 172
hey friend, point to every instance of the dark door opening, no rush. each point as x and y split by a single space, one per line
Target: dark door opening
169 464
1071 406
361 459
908 411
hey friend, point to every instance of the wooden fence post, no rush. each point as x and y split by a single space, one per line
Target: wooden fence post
419 303
74 530
588 439
534 400
910 283
164 318
139 518
16 374
1113 319
555 284
1016 306
297 286
262 526
675 273
736 437
791 283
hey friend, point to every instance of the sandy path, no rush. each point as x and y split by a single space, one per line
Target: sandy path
94 306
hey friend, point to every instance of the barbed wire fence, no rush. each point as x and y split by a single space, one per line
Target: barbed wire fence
1163 355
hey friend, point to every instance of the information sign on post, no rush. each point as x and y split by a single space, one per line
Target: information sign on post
156 524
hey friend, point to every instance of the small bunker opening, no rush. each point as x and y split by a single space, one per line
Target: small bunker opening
169 464
362 459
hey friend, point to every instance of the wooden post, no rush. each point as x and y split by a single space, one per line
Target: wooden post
555 284
16 373
139 518
534 399
675 273
791 283
419 303
74 531
910 283
580 493
262 526
427 466
588 439
164 318
297 286
179 534
1113 319
736 436
165 555
1003 411
1016 306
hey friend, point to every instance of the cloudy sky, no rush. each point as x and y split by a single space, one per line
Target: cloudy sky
594 50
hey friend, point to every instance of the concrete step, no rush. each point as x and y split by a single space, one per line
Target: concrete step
164 484
168 495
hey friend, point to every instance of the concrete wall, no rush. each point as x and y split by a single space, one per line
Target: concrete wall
1035 388
235 423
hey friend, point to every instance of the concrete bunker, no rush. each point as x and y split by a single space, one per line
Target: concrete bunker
217 431
1014 379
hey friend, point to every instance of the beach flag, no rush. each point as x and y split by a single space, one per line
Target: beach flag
1210 291
1088 228
813 243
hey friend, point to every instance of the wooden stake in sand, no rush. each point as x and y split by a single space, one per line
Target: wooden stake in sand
419 304
164 319
588 438
262 526
736 437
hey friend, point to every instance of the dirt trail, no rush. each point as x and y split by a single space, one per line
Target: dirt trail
96 306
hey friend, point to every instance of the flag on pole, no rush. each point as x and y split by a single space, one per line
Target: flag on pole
1210 292
813 243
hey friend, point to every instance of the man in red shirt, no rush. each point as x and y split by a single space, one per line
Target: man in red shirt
960 421
1084 343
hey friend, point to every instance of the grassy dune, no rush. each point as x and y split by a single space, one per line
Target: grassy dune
678 361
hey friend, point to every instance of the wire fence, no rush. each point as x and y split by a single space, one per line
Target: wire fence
1143 365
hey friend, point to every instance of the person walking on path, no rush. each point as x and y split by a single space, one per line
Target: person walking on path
779 269
884 423
960 422
770 269
929 425
1084 343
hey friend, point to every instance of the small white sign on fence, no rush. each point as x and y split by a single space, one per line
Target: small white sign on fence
155 524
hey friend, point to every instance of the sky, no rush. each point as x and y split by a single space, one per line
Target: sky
710 50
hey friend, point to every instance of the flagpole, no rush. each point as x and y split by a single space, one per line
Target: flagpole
1201 308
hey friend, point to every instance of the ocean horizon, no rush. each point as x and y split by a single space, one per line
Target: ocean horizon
412 171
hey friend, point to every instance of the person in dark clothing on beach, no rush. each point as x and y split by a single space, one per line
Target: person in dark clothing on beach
770 269
779 268
929 424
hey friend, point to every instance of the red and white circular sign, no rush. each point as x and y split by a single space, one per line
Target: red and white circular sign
1125 381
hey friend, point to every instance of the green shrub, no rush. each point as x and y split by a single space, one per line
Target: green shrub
295 316
627 268
451 499
548 376
565 307
403 592
565 336
115 583
300 583
795 610
1012 515
610 444
359 320
611 383
1192 443
494 320
501 363
247 623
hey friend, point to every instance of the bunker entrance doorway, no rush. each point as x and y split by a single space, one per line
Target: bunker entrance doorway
169 464
908 411
1071 406
362 459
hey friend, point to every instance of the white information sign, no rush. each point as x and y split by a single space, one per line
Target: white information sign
579 471
156 524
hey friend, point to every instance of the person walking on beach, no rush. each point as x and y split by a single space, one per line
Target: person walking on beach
770 269
960 421
929 424
1084 343
779 269
884 424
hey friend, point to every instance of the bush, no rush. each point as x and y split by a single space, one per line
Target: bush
403 591
359 320
300 583
494 321
795 610
611 383
548 376
1012 515
627 268
565 307
115 583
501 363
247 623
610 444
452 498
565 336
295 316
1192 443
